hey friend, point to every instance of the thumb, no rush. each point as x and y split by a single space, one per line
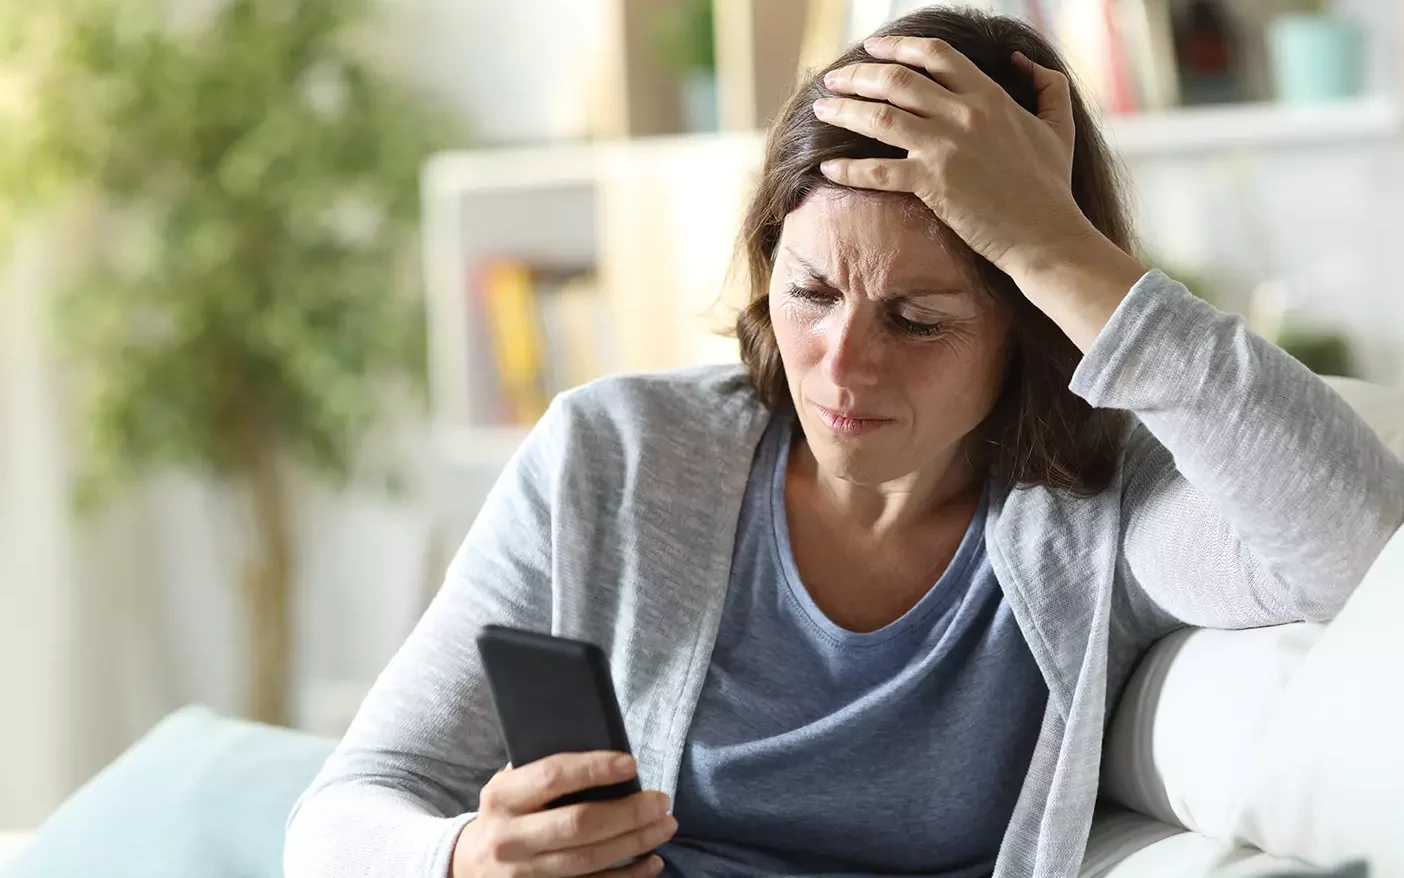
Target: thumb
1054 98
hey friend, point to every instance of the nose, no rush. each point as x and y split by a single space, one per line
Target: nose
852 351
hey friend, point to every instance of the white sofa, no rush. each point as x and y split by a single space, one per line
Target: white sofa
1241 754
1246 753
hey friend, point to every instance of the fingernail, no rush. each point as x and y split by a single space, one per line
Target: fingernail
828 167
655 864
622 763
822 107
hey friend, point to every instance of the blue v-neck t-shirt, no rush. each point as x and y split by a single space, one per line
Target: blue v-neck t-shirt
819 751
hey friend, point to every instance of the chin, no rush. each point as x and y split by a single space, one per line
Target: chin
860 461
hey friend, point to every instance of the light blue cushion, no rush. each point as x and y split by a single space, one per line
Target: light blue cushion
200 796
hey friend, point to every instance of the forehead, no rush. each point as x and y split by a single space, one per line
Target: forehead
887 234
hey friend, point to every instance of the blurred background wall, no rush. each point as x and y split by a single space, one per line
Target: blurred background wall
106 624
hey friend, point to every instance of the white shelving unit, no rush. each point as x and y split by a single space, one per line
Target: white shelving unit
527 203
1254 126
657 218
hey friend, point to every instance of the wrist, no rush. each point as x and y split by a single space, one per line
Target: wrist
461 860
1077 280
1074 241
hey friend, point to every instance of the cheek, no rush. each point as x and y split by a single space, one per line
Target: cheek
795 335
949 377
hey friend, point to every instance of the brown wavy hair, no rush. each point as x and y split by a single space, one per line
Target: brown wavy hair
1038 431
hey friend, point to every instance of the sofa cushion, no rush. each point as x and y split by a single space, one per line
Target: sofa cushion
1285 738
1191 718
1124 844
1327 780
200 796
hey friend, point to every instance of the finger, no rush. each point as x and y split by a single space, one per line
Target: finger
1054 97
645 868
897 84
588 822
939 58
876 119
531 787
888 175
597 857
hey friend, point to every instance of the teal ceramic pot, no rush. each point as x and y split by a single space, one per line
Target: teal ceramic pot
699 101
1316 58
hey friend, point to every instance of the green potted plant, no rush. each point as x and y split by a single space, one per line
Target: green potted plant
1324 352
257 179
685 42
1317 55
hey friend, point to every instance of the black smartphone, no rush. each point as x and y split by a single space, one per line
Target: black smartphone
553 695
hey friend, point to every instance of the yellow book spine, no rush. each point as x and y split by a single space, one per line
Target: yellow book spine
510 300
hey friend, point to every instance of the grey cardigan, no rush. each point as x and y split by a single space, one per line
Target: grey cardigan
1248 494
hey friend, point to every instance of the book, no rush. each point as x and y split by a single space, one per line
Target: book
544 329
510 311
483 403
578 331
1149 41
1095 51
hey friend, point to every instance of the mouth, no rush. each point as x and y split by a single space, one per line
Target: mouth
849 423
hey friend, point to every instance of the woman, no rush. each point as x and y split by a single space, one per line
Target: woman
867 601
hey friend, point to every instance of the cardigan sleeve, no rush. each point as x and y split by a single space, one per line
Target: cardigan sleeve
404 781
1253 493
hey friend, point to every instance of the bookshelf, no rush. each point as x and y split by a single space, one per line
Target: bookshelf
656 221
653 220
1254 125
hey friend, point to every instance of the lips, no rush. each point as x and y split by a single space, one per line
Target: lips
849 422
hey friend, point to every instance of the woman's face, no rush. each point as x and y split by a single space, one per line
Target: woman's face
890 354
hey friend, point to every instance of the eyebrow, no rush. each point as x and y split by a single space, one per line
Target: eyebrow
899 296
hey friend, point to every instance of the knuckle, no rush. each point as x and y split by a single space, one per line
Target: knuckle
490 798
551 774
581 861
893 76
881 174
575 820
659 833
598 772
498 845
884 115
941 173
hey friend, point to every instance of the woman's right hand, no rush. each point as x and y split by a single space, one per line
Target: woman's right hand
513 836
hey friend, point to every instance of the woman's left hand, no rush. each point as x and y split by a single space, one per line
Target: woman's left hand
997 175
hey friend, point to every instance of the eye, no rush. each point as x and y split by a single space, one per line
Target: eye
809 294
916 329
